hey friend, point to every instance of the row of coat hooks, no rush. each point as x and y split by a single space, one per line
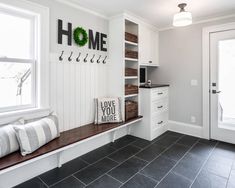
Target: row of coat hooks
84 58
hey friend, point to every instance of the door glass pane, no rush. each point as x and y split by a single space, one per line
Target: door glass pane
226 81
15 37
15 84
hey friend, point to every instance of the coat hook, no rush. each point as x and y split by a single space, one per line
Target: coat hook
70 59
77 59
85 59
104 61
61 58
92 59
98 60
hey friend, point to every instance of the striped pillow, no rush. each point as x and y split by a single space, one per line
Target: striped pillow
35 134
8 140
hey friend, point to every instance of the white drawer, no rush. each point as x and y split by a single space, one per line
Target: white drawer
159 106
159 120
159 93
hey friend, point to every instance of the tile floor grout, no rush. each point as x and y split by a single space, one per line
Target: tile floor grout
42 181
79 180
113 178
122 163
230 173
153 159
88 164
177 163
131 143
203 164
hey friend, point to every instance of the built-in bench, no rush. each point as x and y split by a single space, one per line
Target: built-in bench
67 139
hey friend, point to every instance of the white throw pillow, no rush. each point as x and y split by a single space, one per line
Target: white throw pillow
8 140
108 110
35 134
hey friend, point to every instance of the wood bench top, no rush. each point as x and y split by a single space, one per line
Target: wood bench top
66 138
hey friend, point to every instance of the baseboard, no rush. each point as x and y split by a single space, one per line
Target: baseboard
185 128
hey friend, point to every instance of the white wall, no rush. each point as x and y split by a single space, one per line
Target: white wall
180 62
73 86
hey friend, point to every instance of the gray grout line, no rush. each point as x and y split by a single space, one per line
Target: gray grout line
122 162
116 149
153 159
84 161
79 180
66 177
177 163
230 173
42 181
203 164
113 160
141 159
107 156
109 171
147 177
113 178
178 174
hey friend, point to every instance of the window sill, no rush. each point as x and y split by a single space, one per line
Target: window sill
26 114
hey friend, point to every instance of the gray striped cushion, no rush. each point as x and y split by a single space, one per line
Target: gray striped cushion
8 140
35 134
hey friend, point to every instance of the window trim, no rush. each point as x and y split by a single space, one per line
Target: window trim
41 15
31 60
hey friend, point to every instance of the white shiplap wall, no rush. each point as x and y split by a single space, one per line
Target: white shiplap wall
73 87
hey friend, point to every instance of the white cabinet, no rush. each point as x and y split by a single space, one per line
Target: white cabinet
148 46
154 108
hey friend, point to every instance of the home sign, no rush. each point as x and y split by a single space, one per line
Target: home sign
95 40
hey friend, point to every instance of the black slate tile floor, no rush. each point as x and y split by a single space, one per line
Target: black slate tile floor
172 160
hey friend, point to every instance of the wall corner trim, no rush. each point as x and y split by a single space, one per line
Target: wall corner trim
185 128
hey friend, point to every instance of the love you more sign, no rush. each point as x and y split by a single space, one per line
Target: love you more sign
108 110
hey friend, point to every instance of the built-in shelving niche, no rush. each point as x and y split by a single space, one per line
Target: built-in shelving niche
132 28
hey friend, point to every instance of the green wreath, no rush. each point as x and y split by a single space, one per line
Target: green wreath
78 32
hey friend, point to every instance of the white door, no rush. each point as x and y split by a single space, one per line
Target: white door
222 86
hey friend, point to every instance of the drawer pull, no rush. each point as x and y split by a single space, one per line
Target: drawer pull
150 61
160 122
159 106
160 93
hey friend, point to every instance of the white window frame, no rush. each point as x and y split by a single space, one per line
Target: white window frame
31 60
40 14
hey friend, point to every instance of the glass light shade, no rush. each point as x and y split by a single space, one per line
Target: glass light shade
182 19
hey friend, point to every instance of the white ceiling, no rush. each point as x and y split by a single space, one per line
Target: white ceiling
160 12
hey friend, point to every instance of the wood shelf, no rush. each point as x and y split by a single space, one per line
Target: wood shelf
132 95
131 59
131 77
131 43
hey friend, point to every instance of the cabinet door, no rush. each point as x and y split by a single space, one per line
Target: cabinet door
154 54
144 44
148 42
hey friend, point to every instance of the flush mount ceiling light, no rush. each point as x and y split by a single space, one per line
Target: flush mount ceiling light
182 18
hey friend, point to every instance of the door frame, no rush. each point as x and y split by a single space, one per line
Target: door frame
206 73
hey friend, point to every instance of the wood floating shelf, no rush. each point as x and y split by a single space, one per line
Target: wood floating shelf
131 59
129 96
131 77
131 43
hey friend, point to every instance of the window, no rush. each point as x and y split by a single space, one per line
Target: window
17 60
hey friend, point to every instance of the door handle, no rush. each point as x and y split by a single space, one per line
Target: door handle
215 92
